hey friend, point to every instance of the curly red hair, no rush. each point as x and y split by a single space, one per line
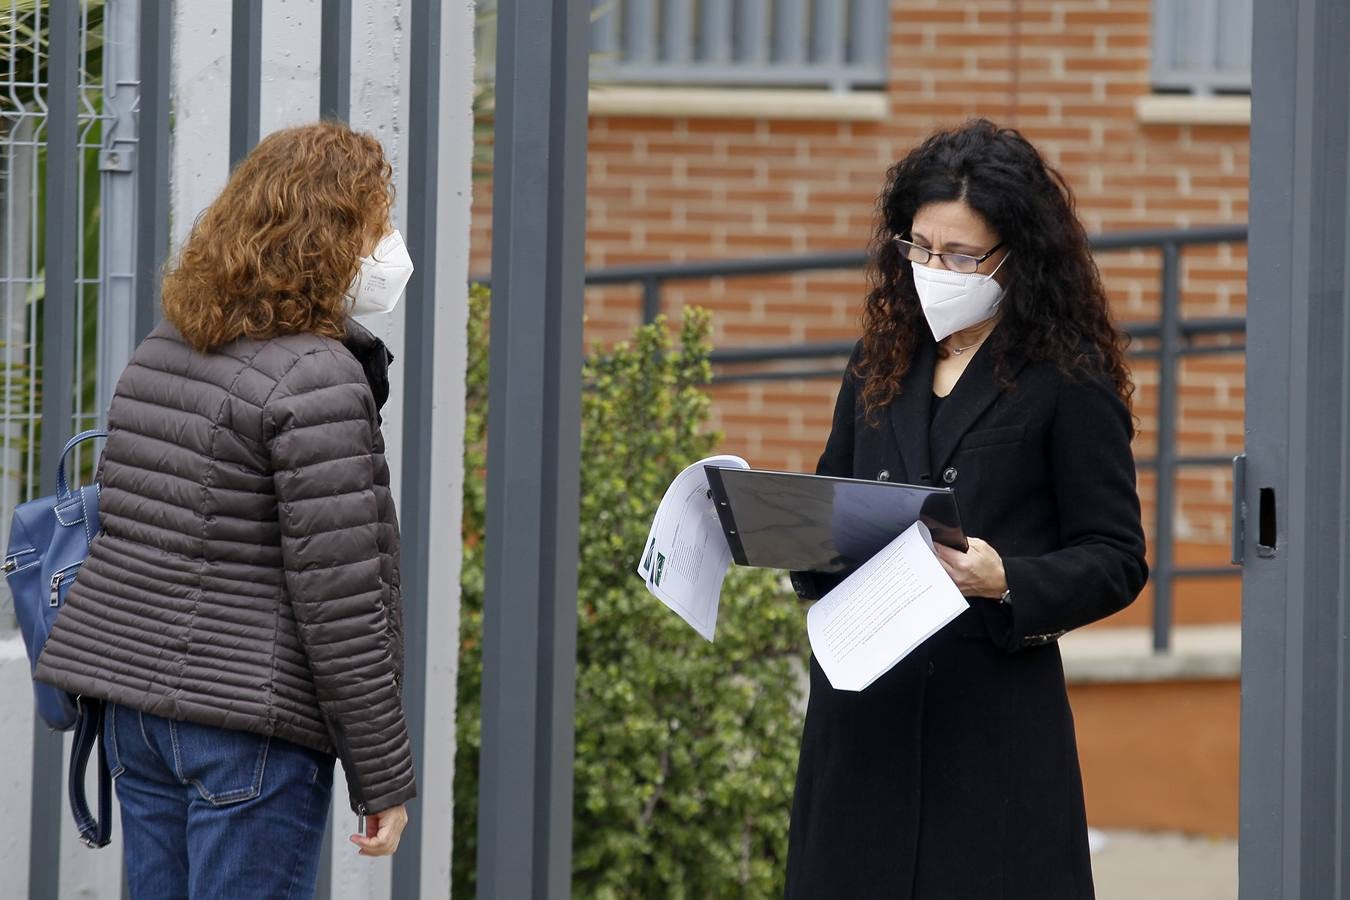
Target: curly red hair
277 250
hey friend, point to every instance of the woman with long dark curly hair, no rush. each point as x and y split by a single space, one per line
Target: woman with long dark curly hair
239 614
988 363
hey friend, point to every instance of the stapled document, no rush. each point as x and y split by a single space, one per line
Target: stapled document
883 610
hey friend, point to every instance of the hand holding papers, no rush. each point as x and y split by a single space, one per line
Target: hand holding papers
892 602
882 611
686 556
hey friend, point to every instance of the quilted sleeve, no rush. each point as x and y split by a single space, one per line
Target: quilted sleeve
322 434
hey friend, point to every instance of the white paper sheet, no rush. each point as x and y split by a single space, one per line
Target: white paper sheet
880 613
686 557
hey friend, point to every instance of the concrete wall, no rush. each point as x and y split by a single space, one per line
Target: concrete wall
379 101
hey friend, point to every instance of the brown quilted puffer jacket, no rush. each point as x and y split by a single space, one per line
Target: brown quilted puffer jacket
247 572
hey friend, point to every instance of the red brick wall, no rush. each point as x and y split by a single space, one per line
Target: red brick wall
1068 74
1186 781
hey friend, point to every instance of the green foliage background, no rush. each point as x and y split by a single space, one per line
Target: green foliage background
685 751
23 66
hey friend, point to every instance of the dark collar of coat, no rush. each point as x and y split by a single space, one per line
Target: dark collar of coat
926 450
373 356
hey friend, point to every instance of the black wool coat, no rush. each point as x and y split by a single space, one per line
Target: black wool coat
955 775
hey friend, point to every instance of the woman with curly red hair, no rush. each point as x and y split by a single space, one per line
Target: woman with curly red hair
989 364
239 614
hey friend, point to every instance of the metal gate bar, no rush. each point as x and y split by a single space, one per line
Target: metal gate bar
58 387
245 77
335 60
1294 840
335 92
419 357
534 436
152 163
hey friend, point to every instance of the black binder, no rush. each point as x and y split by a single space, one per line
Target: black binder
815 523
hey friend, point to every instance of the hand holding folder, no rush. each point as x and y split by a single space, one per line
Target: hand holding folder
719 510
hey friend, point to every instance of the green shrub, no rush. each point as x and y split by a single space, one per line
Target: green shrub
685 751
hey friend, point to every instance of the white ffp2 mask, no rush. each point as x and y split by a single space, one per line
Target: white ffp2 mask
382 277
953 301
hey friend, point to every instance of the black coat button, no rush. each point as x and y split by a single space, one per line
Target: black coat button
884 475
949 476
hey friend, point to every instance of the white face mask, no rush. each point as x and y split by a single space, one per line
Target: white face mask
382 277
953 301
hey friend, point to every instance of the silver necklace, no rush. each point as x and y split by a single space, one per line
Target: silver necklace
957 351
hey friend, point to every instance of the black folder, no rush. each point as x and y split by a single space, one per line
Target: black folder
815 523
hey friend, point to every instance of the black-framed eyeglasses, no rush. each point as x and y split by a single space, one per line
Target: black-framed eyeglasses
963 263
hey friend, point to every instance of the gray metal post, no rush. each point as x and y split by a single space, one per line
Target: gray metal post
1296 578
789 30
245 77
335 93
714 32
639 43
675 31
651 300
58 388
152 161
751 41
424 97
335 60
117 218
1164 552
529 620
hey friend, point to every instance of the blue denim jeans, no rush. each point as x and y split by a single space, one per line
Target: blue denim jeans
210 812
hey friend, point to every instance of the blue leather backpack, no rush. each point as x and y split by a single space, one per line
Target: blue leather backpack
49 540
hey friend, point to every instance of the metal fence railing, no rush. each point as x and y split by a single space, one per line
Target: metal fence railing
839 44
1202 46
69 101
84 230
56 123
25 130
1168 340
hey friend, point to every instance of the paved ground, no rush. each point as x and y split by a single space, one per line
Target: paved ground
1130 865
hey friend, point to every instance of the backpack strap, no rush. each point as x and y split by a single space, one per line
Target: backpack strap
94 833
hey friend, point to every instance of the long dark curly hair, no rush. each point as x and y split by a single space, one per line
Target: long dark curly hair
1055 309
